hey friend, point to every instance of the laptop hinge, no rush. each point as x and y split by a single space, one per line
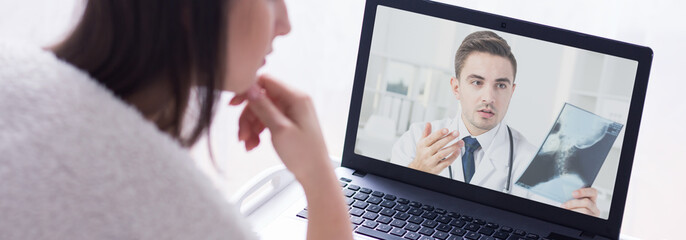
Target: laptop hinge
359 173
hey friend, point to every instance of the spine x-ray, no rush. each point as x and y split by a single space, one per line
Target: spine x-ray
571 155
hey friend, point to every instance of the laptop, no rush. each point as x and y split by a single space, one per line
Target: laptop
406 77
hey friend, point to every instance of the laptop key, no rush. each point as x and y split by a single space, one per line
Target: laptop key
415 204
519 232
369 224
356 220
412 235
376 234
370 215
412 227
398 232
426 231
360 204
356 212
443 219
349 201
365 190
361 196
430 223
466 218
444 228
387 212
384 228
348 193
377 194
389 197
403 201
402 208
388 204
441 235
374 200
353 187
440 211
402 216
343 184
472 235
428 208
458 223
346 179
415 219
472 227
487 231
479 221
532 236
458 232
384 219
430 215
415 211
501 235
492 225
374 208
426 238
398 223
453 215
506 229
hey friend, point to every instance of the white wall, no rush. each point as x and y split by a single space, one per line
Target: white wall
319 57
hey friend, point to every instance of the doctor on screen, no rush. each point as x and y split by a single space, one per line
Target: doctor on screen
476 146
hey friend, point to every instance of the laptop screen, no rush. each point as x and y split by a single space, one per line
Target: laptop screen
530 118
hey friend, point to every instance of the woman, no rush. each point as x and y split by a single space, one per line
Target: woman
95 130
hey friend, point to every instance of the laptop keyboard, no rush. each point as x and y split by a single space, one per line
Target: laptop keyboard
384 216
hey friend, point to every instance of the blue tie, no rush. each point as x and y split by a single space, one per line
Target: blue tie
470 145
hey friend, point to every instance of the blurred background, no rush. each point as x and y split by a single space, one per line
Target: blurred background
319 57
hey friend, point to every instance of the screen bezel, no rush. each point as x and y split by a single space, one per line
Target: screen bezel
588 224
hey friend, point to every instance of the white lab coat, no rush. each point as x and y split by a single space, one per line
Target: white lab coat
492 171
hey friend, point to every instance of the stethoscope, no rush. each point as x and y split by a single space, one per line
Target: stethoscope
509 172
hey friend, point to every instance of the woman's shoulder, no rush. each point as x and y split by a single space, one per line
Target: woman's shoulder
75 152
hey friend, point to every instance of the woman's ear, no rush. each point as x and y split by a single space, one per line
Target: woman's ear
454 87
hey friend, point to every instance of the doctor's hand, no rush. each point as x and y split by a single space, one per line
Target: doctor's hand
584 202
432 154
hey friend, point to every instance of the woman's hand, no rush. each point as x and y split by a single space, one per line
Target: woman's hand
290 117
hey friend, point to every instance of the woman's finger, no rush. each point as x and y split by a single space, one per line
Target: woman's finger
237 99
265 110
244 125
275 89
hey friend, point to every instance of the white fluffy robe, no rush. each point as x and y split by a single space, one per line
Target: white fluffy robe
78 163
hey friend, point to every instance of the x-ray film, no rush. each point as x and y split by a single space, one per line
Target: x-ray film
571 155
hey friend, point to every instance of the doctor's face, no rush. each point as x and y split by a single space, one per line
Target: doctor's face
484 89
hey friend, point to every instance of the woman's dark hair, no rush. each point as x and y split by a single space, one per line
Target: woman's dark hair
127 45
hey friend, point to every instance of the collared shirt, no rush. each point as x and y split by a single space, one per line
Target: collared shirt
484 139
